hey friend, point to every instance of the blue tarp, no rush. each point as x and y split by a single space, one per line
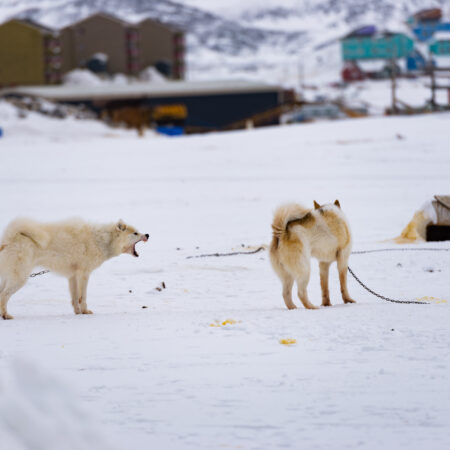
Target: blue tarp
415 61
366 31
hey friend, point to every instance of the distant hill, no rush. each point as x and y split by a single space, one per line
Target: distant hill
280 41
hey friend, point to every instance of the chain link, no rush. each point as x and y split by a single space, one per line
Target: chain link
42 272
226 254
383 250
382 296
362 252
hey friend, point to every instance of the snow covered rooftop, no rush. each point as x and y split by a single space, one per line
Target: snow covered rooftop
441 36
169 89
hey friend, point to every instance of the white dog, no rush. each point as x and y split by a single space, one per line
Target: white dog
72 248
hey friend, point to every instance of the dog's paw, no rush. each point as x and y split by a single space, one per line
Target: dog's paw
349 300
7 316
292 307
87 311
311 306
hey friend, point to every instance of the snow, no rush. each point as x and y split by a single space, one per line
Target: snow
24 127
81 77
371 375
151 74
39 412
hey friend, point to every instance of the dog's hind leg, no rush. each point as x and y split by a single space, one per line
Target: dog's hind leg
342 265
83 282
74 294
288 282
7 289
324 270
302 285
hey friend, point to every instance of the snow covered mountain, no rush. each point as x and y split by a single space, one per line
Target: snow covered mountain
285 41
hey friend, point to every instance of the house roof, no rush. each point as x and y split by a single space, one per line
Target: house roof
104 15
33 24
441 36
109 91
169 26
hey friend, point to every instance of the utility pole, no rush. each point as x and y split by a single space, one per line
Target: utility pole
433 87
393 89
393 81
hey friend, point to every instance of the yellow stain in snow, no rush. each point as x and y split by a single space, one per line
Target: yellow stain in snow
288 341
432 299
224 323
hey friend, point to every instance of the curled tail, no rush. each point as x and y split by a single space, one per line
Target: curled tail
28 228
283 215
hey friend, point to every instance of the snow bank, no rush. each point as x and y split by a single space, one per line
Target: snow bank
38 412
23 125
152 74
81 77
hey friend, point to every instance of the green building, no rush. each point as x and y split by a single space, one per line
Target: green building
441 44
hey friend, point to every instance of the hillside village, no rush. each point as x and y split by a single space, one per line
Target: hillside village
125 63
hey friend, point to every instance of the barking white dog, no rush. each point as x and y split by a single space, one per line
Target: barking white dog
72 248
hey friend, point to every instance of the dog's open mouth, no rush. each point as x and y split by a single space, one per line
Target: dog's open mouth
133 251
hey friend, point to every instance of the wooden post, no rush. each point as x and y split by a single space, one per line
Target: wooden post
393 89
433 87
394 81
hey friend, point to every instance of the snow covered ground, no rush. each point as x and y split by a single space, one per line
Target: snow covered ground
371 375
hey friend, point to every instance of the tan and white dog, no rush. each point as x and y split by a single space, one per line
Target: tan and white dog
73 248
299 234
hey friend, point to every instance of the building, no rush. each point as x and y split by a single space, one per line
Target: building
427 22
440 45
209 105
104 34
30 54
383 46
162 46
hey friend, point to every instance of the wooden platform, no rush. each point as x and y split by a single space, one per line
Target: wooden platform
438 233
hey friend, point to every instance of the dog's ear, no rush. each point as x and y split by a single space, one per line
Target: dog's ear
316 205
336 202
121 225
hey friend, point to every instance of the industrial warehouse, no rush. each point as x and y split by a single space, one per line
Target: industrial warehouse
193 106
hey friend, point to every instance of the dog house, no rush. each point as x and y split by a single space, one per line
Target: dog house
441 230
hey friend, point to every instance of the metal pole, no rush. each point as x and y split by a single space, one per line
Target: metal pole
433 88
393 82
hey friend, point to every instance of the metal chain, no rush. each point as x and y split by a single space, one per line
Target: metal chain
362 252
226 254
379 250
382 296
42 272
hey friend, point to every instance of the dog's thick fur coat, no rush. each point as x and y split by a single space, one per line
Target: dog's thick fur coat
299 234
73 248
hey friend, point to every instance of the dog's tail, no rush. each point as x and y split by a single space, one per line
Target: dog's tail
28 228
283 215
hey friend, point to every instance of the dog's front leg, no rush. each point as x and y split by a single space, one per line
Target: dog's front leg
83 282
74 293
